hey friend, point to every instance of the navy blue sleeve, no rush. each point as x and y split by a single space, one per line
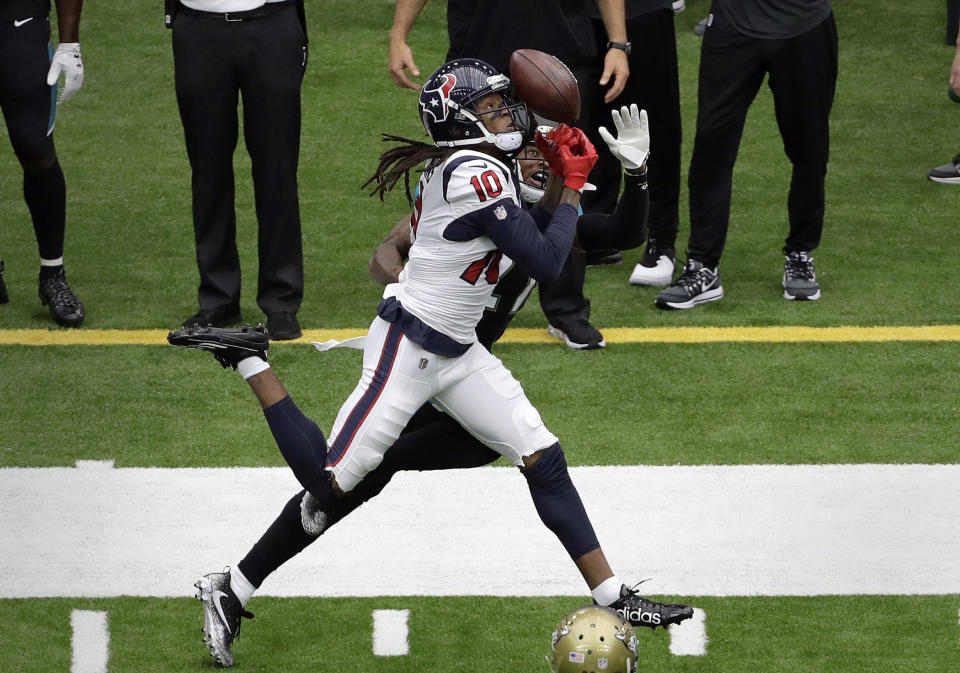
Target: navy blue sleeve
515 232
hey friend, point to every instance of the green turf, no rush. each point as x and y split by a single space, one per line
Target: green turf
848 634
129 239
714 403
887 259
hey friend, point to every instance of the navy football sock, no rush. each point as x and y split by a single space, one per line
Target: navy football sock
303 447
559 504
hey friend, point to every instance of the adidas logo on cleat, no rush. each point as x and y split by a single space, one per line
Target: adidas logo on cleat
637 616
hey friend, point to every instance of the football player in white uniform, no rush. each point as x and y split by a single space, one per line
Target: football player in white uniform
423 345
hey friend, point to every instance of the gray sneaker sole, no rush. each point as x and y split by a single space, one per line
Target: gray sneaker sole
801 297
946 181
715 294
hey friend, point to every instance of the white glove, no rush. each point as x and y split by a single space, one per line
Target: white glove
632 144
67 60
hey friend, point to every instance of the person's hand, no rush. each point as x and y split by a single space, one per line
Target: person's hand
615 67
66 60
401 59
632 144
577 156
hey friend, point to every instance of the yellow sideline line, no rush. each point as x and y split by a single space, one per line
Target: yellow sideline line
527 335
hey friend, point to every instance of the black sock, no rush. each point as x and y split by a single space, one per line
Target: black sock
283 540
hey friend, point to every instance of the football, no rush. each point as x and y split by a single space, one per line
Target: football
546 84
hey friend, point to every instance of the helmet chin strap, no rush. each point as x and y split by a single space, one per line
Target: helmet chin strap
531 194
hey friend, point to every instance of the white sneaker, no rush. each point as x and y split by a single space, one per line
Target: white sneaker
656 267
679 5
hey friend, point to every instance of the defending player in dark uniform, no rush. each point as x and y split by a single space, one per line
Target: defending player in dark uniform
429 434
29 70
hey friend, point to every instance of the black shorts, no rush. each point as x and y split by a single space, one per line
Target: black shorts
27 101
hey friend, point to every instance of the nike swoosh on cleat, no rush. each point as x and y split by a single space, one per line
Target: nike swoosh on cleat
217 597
17 24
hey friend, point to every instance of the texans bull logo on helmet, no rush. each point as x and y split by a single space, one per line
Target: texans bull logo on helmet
434 101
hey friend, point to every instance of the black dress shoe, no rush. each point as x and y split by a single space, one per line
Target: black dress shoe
283 326
604 256
205 317
65 308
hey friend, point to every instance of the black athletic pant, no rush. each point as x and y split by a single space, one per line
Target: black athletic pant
803 75
263 60
28 105
654 85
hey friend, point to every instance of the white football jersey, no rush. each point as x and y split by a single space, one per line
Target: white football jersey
447 283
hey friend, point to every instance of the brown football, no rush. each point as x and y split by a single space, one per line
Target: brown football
546 84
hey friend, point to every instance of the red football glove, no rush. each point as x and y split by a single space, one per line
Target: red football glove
550 151
577 159
561 134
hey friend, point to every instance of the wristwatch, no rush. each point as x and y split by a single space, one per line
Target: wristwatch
626 46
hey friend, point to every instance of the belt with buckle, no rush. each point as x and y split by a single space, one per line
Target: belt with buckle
266 10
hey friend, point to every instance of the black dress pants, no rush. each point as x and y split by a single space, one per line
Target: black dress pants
802 76
263 60
654 85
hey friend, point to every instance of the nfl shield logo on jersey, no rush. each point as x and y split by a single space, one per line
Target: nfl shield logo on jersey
500 212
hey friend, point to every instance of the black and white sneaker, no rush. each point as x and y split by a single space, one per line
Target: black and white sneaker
948 173
641 611
229 345
799 278
657 265
4 297
578 334
221 615
696 285
55 293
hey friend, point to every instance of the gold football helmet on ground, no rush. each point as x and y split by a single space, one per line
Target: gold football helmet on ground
593 639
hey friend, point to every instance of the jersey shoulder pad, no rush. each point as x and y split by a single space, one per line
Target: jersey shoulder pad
471 180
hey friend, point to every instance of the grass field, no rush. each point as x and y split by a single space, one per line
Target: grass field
886 260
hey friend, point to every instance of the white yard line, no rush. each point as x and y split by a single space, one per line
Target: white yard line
696 530
390 633
90 641
689 638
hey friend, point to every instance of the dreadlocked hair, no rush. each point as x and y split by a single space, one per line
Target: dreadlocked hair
398 161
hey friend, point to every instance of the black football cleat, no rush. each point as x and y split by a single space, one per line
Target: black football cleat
221 615
4 297
65 308
229 345
641 611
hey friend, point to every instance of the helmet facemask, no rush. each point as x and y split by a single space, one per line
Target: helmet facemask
533 170
511 141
